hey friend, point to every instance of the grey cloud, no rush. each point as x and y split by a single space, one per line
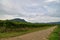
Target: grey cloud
30 8
55 9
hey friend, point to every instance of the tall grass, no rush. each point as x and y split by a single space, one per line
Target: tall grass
56 34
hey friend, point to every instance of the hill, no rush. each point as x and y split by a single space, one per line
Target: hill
18 20
54 23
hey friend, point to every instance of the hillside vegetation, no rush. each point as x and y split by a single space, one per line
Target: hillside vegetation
9 28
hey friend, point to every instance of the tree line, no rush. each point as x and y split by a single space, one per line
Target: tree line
7 26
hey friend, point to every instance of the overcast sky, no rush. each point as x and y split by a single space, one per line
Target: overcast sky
31 10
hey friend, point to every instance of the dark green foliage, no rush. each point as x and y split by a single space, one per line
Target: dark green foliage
7 26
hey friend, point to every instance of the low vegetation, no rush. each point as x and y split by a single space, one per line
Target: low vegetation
56 34
12 28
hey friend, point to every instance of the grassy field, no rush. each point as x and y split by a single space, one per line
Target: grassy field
13 34
55 35
11 28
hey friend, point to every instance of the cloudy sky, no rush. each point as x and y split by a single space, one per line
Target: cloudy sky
31 10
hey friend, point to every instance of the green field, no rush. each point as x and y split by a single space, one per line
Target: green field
13 34
56 34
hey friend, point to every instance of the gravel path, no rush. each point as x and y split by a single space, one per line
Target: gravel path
39 35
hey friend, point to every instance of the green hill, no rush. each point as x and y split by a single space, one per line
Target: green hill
18 20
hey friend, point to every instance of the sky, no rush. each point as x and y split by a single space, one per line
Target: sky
31 10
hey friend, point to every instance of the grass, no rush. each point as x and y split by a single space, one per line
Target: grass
55 35
13 34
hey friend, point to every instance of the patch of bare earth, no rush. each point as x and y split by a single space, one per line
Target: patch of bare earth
39 35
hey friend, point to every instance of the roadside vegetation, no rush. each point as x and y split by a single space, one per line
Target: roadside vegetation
11 28
56 34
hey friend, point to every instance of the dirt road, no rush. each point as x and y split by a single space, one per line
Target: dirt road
39 35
